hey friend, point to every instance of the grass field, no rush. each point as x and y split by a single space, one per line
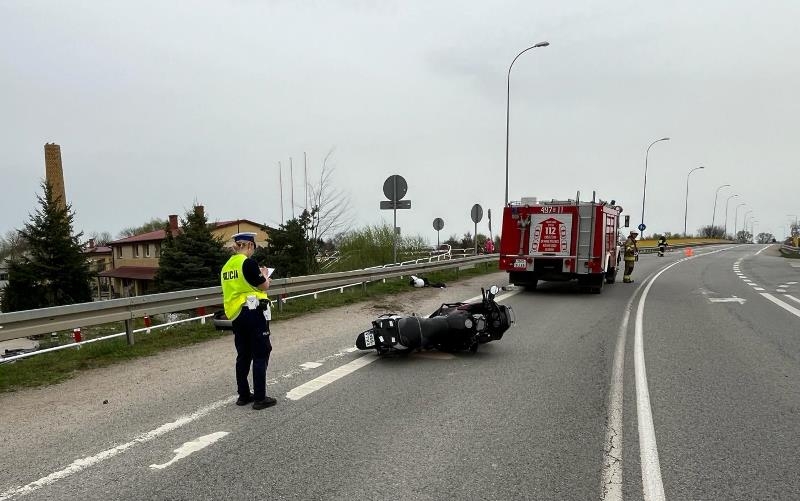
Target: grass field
53 367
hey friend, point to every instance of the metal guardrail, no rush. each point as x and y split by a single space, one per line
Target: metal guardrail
26 323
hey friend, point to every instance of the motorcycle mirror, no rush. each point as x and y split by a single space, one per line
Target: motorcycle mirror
493 290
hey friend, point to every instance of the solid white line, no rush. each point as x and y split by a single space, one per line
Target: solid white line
190 447
792 298
611 487
762 250
791 309
652 484
329 377
81 464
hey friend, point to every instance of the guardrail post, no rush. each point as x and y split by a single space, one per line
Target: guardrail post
129 331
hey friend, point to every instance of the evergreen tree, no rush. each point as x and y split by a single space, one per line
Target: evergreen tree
53 270
193 258
291 250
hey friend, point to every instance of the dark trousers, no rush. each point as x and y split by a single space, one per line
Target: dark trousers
251 337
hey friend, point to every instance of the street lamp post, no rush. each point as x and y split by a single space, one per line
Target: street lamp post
726 214
736 219
644 188
744 225
714 214
686 204
508 101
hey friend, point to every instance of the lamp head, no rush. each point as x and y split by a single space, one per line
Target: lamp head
542 44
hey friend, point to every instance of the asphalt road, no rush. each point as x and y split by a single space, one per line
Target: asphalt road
683 385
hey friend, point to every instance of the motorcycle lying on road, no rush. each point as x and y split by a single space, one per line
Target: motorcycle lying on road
452 327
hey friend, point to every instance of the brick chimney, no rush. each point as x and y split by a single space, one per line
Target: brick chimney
91 243
173 222
199 210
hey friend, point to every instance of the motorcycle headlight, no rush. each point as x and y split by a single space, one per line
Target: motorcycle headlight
468 323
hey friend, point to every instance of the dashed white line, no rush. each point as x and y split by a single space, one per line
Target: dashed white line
792 298
329 377
758 288
780 290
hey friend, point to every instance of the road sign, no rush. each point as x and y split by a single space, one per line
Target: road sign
642 227
476 213
395 187
400 204
438 224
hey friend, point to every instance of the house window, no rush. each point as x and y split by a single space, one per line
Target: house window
136 250
157 250
119 251
146 250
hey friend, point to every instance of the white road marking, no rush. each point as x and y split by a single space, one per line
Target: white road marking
791 309
792 298
791 283
762 250
780 290
611 487
190 447
351 349
310 365
733 299
794 265
329 377
758 288
747 280
81 464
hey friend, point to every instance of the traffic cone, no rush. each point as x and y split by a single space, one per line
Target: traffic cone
689 252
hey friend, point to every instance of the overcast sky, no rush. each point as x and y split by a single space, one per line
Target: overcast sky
158 105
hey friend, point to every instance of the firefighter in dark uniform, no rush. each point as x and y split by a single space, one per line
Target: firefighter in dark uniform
246 304
631 254
662 245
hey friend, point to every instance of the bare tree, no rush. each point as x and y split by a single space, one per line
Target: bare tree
330 206
12 244
152 225
100 238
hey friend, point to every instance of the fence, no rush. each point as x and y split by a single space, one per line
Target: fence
27 323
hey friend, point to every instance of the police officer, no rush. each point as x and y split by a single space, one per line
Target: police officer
631 253
245 301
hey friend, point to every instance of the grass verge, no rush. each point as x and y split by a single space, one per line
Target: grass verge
54 367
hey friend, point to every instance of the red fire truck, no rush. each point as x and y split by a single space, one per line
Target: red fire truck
561 240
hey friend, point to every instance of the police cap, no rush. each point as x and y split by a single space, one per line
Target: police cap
245 236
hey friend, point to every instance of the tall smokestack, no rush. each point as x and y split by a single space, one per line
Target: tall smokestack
54 173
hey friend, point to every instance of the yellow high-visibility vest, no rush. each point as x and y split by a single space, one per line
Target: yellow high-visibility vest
235 288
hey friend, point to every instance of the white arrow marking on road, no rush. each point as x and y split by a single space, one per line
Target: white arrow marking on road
733 299
190 447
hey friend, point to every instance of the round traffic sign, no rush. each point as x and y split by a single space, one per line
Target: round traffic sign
642 227
395 187
476 213
438 224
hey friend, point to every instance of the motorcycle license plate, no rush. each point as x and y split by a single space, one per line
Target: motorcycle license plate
369 339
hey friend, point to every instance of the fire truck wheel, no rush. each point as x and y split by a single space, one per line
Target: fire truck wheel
598 286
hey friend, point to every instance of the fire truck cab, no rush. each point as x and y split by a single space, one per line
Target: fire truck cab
561 240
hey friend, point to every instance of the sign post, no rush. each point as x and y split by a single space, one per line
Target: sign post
477 214
395 188
438 224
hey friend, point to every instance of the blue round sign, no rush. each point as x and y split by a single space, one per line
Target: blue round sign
642 227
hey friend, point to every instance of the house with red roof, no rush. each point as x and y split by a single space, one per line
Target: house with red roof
134 260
